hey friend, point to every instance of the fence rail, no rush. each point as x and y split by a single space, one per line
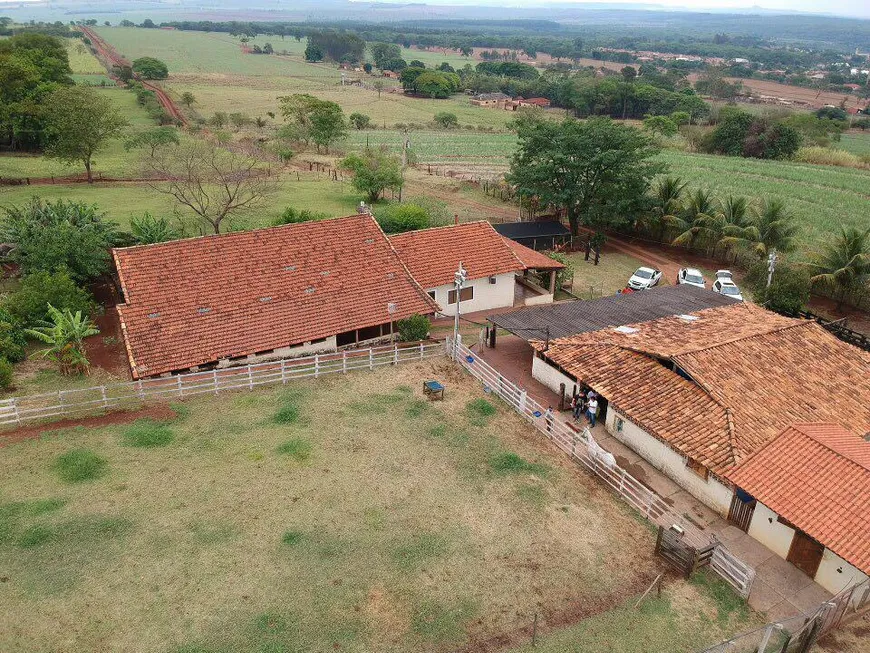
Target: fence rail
18 410
582 448
799 634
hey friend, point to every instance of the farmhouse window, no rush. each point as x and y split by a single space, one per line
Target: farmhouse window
698 468
619 424
465 295
431 293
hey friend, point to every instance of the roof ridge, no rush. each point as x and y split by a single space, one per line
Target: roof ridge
423 294
798 323
239 233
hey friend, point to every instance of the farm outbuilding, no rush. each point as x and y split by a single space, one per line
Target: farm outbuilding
806 496
696 393
548 234
263 294
497 276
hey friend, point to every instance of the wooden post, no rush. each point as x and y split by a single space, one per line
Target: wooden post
561 396
139 391
344 361
60 394
762 647
283 371
421 350
371 359
180 390
105 398
395 354
250 378
215 378
316 365
15 410
535 631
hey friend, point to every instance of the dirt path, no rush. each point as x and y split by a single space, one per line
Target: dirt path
110 58
155 412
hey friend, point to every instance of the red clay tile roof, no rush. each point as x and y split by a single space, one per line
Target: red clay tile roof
763 371
531 259
433 255
194 301
817 476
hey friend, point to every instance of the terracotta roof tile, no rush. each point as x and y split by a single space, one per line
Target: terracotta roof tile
433 255
762 370
531 259
194 301
818 477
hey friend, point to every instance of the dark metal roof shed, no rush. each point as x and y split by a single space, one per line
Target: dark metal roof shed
569 318
525 230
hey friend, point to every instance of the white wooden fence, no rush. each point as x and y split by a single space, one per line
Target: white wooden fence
577 444
18 410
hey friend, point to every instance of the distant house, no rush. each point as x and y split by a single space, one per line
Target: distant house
391 74
491 100
279 292
497 277
541 102
806 496
696 393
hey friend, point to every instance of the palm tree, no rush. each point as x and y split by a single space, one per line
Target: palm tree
705 221
843 266
667 206
776 227
740 231
65 333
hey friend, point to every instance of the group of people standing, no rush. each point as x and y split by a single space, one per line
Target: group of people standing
585 403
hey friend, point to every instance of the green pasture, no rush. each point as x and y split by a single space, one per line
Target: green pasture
347 513
855 142
81 60
443 146
112 161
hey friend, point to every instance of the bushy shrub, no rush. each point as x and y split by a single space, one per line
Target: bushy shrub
396 218
827 157
5 374
359 120
293 216
29 304
12 339
413 328
789 291
446 120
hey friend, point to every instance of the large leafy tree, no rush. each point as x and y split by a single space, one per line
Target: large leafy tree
152 139
79 122
384 52
57 236
843 265
29 304
374 172
597 171
310 118
31 67
150 68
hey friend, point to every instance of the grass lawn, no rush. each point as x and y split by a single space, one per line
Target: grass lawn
124 201
611 274
112 161
346 513
857 142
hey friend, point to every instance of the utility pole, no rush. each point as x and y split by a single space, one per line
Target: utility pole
459 278
771 266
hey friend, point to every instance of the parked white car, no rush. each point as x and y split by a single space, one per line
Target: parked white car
724 275
644 278
727 288
691 277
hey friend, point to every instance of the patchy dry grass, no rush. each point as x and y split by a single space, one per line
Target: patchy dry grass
375 522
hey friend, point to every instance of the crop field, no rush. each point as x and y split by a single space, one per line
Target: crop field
440 147
342 514
81 60
855 142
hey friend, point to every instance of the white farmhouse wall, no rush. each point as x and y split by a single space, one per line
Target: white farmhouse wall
303 349
486 295
764 528
551 377
835 573
711 492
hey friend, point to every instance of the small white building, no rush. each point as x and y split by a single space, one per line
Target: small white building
497 276
806 496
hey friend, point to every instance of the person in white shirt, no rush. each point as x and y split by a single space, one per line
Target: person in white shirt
592 411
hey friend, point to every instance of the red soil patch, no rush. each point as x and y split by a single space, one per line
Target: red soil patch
155 411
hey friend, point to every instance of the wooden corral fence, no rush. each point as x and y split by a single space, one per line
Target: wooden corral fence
679 554
19 410
582 448
838 329
799 634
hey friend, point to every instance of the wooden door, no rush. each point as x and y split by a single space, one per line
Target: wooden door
741 511
805 553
